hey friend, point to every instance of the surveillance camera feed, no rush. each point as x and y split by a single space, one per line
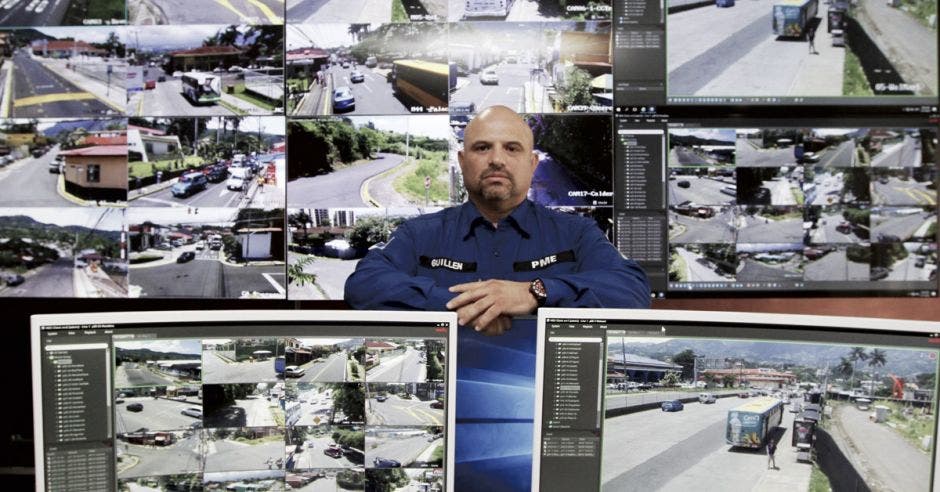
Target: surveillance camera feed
245 405
792 406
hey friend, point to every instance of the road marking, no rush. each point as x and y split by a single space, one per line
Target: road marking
49 98
277 286
228 5
7 92
274 18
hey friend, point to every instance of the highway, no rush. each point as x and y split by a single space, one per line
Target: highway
509 91
342 188
398 367
215 195
167 99
338 11
235 12
397 411
159 414
40 93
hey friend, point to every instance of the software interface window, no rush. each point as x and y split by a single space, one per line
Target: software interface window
661 405
250 405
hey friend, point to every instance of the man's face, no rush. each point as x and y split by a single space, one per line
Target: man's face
497 159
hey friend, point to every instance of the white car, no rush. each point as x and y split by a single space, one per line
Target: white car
193 412
238 178
293 372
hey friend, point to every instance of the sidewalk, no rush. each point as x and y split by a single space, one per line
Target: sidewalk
243 106
88 282
116 96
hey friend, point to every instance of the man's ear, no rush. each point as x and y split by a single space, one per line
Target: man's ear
535 160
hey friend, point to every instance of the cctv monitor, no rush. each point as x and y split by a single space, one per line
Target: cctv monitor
243 400
681 400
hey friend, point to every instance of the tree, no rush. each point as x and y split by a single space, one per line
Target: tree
855 355
686 359
728 380
577 88
670 380
877 358
350 399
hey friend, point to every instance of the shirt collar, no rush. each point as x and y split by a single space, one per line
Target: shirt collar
520 219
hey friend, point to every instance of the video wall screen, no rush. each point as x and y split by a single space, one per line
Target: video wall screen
259 150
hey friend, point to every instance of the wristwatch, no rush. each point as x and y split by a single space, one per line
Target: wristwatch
537 288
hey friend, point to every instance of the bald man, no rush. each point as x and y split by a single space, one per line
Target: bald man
499 255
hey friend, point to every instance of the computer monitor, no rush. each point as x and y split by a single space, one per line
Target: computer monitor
243 400
682 400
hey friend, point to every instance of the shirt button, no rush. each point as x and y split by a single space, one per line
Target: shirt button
495 252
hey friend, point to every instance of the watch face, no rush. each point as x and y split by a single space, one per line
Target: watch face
538 290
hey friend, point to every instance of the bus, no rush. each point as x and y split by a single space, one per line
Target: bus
791 18
202 88
421 83
750 424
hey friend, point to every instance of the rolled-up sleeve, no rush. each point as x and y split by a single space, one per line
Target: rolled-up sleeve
604 278
386 278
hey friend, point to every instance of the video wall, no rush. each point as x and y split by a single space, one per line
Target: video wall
257 149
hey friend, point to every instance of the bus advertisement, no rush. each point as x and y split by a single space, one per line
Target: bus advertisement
423 84
201 88
750 424
791 18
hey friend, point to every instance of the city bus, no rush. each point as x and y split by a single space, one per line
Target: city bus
201 88
791 18
750 424
421 83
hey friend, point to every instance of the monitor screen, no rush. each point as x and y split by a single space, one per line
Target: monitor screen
243 400
661 400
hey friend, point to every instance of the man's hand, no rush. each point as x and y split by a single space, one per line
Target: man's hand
481 304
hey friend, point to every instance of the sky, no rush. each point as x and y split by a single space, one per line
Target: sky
322 36
725 134
86 33
180 346
111 219
271 125
180 215
433 126
151 37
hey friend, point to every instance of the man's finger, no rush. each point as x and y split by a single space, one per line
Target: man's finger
490 315
465 298
467 315
465 286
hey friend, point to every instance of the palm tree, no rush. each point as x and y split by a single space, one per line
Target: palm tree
844 368
877 358
855 355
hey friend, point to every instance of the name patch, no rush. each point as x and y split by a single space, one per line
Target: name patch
449 264
543 262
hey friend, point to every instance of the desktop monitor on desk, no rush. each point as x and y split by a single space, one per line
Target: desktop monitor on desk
243 400
670 400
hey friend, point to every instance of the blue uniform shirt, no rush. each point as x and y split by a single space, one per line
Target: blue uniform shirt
428 254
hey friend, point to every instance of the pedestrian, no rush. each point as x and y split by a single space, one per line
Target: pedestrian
771 449
261 184
811 36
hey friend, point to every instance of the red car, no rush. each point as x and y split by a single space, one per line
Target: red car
333 452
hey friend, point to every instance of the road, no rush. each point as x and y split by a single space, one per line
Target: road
904 227
906 153
746 154
225 455
131 374
702 191
253 411
781 191
333 369
509 91
313 456
398 411
688 157
405 450
221 370
29 13
699 269
828 189
208 279
41 93
756 229
905 269
734 52
331 277
215 195
757 271
316 407
682 450
826 232
374 95
716 229
159 414
52 280
843 155
341 11
167 99
28 183
898 191
406 367
884 458
910 45
835 266
342 188
216 12
180 457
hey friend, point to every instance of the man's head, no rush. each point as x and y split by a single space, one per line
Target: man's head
497 159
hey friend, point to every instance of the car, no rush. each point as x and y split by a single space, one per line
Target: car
810 157
200 245
878 273
707 398
357 76
55 167
238 179
761 197
672 406
743 394
838 37
343 99
381 397
489 77
150 85
13 279
379 462
729 190
161 78
189 184
683 184
920 262
333 452
345 64
118 400
439 404
813 253
883 180
294 371
888 238
192 412
644 386
185 256
844 227
215 174
135 407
